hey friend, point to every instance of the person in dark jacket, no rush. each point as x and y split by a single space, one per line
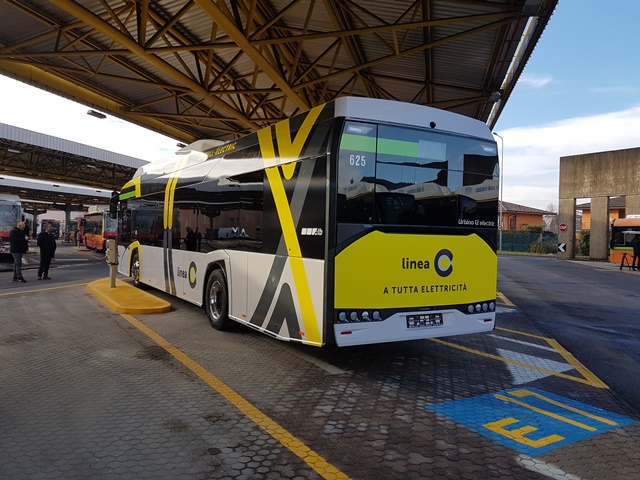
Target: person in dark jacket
18 246
191 241
635 243
47 244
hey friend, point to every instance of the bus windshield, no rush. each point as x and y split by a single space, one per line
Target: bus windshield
9 216
110 224
404 176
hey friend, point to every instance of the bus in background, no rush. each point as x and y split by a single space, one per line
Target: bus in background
96 227
142 222
55 226
10 216
622 232
361 221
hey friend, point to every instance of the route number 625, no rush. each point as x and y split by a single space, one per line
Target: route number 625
357 160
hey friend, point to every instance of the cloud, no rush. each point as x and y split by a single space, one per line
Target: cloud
616 89
534 81
532 154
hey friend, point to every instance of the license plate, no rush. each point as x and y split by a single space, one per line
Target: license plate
424 320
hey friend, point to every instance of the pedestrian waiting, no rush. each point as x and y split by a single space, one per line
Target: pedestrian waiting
47 245
18 246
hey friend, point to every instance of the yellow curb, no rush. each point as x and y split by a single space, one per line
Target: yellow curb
126 298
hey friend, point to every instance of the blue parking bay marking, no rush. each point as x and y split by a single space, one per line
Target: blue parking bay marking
530 420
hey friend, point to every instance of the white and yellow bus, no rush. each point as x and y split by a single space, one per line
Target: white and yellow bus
361 221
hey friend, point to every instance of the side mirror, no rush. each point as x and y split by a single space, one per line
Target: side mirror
113 204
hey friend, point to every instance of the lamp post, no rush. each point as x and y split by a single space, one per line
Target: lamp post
501 171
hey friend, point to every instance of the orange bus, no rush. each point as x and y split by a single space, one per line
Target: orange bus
622 232
96 228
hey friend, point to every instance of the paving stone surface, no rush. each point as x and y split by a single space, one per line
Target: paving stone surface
86 394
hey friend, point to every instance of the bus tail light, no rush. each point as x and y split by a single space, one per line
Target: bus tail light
359 316
481 307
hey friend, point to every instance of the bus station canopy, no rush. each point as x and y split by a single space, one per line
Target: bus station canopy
219 69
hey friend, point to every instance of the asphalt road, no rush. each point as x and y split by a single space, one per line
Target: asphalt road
592 310
70 263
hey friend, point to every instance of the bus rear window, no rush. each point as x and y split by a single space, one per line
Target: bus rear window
406 176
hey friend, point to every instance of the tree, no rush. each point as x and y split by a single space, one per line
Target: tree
551 221
584 242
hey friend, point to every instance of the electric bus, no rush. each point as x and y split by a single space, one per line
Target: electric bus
360 221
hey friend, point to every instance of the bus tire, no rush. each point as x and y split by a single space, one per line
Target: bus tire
135 271
217 301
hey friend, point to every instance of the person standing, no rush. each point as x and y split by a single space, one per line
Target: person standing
190 241
635 243
18 246
47 244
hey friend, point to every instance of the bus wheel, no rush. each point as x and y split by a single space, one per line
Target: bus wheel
216 301
135 270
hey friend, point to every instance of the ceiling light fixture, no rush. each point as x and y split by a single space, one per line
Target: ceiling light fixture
99 115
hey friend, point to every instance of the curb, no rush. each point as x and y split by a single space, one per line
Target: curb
126 298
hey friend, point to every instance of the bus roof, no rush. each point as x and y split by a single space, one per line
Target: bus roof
409 114
630 221
353 108
7 197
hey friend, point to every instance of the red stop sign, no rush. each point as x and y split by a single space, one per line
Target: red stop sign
563 227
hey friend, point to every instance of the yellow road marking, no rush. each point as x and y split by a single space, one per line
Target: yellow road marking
528 393
545 412
20 292
598 384
504 299
568 357
311 458
589 377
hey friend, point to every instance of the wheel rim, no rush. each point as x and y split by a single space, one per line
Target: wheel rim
215 299
135 269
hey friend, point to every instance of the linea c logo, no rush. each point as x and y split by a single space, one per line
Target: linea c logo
444 262
192 275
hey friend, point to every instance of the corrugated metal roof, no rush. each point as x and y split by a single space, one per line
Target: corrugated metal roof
204 69
24 153
16 134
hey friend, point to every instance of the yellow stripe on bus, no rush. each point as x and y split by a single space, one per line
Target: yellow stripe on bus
170 191
291 150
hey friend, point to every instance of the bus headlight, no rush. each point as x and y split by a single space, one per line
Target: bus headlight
365 316
342 317
353 316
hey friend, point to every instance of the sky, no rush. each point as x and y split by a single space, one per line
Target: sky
579 93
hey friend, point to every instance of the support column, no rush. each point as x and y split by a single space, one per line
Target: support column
67 222
599 244
567 216
632 205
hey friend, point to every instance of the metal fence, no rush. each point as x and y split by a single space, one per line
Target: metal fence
522 241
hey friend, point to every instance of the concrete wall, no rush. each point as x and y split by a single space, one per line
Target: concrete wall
597 176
